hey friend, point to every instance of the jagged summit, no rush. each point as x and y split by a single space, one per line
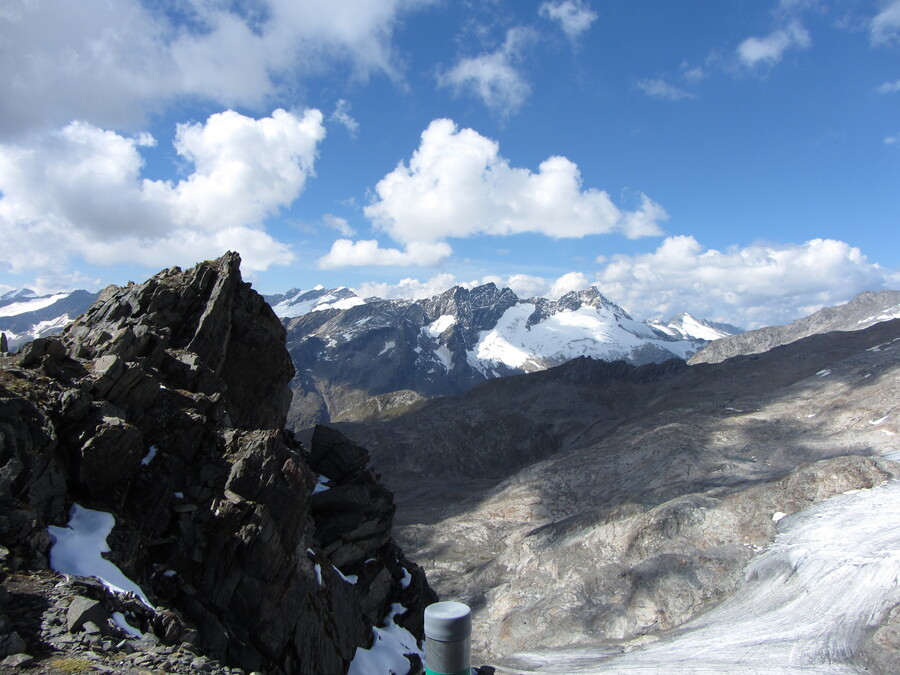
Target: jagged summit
17 295
164 406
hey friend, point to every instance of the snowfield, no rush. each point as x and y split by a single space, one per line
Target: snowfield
292 307
31 305
78 550
587 331
808 602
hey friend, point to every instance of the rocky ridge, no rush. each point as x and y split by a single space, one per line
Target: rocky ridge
165 405
865 310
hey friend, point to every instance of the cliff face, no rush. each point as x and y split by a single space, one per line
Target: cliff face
165 406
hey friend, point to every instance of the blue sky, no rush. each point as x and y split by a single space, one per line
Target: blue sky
738 160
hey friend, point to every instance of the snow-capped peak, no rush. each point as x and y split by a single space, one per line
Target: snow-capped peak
24 315
298 302
27 301
17 295
686 326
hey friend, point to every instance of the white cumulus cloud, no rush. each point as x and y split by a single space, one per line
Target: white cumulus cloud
110 63
573 281
411 289
339 224
457 184
342 116
655 88
79 192
523 285
770 49
574 16
347 253
494 77
885 26
762 284
889 87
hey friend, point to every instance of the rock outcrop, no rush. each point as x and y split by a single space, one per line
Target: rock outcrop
165 405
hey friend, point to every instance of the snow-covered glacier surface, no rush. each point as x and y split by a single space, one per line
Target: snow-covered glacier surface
806 604
587 331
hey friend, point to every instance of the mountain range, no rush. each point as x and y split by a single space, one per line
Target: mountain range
362 359
26 316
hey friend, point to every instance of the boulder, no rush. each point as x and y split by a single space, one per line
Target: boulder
83 610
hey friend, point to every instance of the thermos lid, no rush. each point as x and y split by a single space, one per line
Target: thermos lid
448 621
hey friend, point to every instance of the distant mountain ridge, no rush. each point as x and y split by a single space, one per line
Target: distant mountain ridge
297 302
357 359
866 309
26 316
688 327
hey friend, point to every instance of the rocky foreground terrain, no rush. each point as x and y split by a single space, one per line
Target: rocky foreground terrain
602 507
165 405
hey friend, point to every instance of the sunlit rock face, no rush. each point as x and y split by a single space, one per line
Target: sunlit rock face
164 406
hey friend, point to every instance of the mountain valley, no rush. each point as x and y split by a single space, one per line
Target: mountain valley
607 504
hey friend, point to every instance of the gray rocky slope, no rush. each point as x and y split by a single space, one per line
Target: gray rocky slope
861 312
165 405
600 504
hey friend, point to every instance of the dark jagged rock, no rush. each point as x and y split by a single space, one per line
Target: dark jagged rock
204 328
165 405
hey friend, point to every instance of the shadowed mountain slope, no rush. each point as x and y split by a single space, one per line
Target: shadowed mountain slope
599 503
